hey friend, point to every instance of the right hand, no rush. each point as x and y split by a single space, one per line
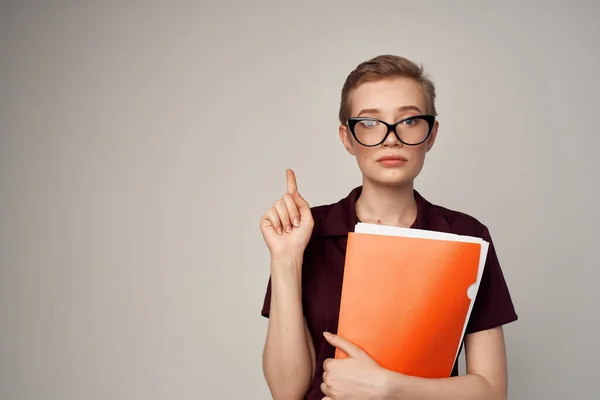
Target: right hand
287 226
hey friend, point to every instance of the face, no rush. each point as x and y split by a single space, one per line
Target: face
390 101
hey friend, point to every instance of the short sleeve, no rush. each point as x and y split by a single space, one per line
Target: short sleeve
493 305
266 308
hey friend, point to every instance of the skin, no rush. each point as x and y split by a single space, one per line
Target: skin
387 198
388 192
289 354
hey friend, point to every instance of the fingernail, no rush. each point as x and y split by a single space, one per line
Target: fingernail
279 231
327 335
296 222
288 229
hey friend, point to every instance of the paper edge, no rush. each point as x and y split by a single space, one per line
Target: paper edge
480 269
387 230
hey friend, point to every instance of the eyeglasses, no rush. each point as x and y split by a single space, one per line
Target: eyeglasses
411 131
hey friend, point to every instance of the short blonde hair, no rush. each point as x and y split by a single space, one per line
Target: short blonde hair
386 67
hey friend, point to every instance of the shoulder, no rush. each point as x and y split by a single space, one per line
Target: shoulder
453 221
322 211
328 221
335 219
461 221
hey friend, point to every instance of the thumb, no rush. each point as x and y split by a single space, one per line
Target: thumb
343 344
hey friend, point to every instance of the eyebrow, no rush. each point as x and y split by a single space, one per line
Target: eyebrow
377 111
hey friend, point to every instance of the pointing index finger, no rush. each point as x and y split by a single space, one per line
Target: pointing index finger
291 181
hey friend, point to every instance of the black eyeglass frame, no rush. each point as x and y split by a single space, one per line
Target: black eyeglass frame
352 121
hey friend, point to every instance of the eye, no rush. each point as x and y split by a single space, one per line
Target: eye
410 122
368 123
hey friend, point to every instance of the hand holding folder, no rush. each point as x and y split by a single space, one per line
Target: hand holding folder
407 295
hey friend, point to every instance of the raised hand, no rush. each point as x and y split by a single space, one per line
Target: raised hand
287 225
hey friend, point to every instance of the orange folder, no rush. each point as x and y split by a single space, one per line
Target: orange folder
407 295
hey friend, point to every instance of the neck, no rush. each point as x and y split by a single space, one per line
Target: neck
387 205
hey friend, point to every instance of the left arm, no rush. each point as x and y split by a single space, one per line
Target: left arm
486 376
361 378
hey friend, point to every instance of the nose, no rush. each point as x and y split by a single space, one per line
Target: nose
392 140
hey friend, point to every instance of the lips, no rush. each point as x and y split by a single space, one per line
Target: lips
392 158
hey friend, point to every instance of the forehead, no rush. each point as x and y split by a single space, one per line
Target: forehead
388 94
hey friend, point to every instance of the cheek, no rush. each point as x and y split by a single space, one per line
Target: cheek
417 154
417 161
363 154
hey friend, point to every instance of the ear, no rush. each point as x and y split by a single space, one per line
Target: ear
346 139
433 135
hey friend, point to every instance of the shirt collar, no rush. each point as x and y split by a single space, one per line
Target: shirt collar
340 218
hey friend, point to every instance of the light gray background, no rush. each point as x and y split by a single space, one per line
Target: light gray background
142 141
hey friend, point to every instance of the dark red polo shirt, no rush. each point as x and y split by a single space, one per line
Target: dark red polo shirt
323 269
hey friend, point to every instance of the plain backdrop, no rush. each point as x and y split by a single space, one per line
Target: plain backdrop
142 141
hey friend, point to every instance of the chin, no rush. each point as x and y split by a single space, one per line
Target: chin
391 178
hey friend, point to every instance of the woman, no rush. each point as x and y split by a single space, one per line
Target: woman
387 121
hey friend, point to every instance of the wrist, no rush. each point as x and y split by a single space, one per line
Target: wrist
286 277
392 385
286 266
289 258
